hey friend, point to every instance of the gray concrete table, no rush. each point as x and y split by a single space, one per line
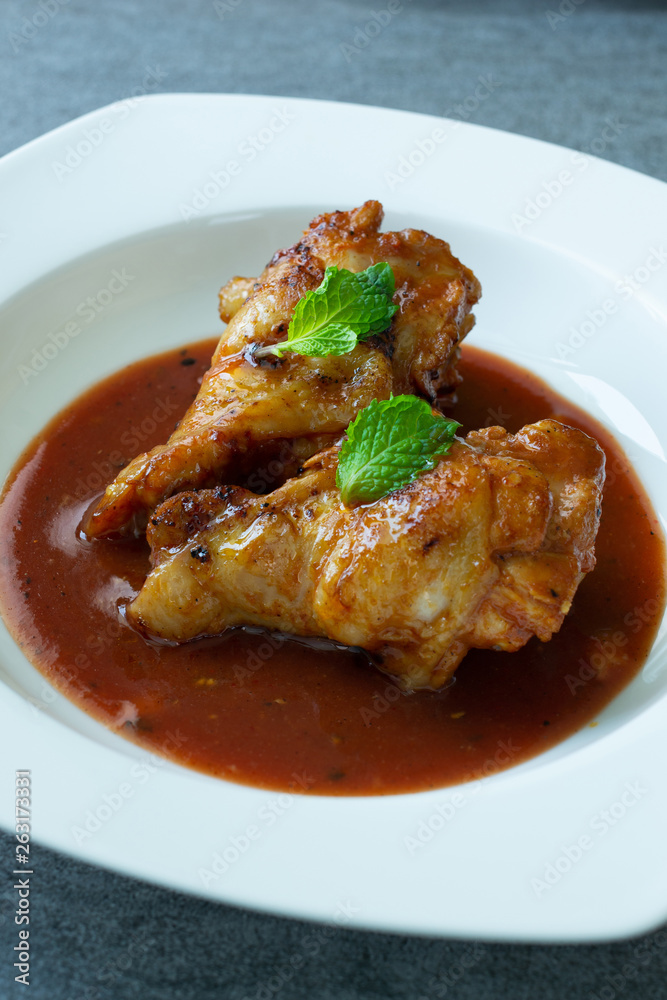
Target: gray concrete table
569 71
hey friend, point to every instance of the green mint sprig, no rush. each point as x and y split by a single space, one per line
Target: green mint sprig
388 445
346 308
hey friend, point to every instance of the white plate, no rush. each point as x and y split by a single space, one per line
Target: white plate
182 191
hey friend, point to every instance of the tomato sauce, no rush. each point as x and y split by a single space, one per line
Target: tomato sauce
275 712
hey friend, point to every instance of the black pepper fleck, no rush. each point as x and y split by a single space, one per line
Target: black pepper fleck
200 552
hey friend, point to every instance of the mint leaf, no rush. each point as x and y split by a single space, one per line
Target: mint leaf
337 338
388 445
345 308
378 280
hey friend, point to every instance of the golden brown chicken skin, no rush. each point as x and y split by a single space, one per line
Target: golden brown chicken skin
485 551
243 404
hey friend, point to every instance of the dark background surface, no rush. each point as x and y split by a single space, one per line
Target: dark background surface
563 70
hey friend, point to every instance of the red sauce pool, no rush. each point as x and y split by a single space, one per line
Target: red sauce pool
274 712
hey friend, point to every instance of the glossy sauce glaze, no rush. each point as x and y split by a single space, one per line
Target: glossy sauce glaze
274 712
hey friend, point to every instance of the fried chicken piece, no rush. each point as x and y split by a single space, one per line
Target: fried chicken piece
233 295
484 551
242 404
